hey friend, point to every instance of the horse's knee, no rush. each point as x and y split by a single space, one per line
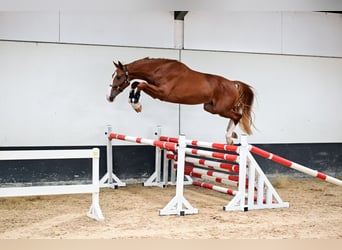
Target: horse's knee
209 107
134 85
140 86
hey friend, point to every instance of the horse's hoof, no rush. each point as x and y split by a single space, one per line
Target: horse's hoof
138 107
234 135
229 140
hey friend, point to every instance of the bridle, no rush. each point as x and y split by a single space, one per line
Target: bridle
119 87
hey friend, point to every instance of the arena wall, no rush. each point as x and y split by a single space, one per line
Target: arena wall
55 72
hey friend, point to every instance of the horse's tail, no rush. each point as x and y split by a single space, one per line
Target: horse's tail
245 106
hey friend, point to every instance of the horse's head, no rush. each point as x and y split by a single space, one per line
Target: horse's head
120 81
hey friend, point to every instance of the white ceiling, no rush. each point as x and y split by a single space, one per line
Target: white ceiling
189 5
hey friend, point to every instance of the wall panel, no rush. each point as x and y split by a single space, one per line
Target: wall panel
53 94
296 97
294 33
139 28
29 26
312 34
233 31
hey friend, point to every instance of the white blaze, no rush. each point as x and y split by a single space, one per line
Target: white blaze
109 93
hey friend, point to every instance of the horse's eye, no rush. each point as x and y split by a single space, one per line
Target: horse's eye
118 77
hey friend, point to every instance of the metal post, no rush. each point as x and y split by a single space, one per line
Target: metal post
238 202
180 170
158 156
179 205
110 179
95 209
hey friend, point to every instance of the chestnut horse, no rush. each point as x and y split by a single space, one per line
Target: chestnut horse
172 81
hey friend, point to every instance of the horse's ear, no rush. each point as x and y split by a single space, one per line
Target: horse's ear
115 64
121 66
118 65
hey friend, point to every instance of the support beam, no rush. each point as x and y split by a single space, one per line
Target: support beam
179 15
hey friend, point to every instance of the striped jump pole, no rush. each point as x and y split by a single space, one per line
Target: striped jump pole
211 154
254 192
214 187
220 146
263 153
178 205
213 176
222 189
294 165
207 163
161 144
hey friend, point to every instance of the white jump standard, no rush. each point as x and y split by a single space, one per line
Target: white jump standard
232 165
93 188
110 179
250 176
178 205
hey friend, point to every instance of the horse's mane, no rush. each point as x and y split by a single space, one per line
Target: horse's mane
148 59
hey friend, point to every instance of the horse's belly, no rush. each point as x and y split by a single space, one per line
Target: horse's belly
187 99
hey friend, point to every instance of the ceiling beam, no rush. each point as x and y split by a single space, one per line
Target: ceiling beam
179 15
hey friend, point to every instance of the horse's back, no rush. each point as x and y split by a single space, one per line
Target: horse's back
184 85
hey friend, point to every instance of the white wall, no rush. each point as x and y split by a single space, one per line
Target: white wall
233 31
53 94
144 29
29 26
126 28
298 33
297 97
312 34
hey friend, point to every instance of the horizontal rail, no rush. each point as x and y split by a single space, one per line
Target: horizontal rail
220 146
207 163
210 154
46 154
223 190
294 165
156 143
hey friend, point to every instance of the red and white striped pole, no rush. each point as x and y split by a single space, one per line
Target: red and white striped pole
161 144
207 163
212 175
211 154
221 189
294 165
203 144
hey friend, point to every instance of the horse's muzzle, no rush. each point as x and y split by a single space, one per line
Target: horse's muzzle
110 98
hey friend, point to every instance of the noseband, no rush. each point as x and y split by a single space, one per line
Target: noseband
118 88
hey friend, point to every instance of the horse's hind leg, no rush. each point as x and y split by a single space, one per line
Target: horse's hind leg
234 117
231 114
230 134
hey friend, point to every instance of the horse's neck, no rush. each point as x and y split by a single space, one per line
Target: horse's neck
145 70
139 72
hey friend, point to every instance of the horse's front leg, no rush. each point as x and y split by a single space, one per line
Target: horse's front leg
134 97
152 90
